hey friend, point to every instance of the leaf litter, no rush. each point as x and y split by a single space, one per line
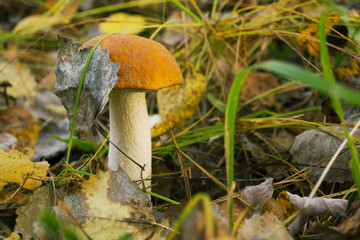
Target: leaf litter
266 214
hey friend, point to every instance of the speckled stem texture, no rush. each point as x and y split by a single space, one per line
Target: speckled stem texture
130 131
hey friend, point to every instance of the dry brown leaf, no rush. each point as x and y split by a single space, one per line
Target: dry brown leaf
18 122
320 206
351 226
15 165
257 83
258 195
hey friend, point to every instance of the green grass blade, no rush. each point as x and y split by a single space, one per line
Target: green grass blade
187 210
301 75
355 171
186 10
214 8
163 198
230 118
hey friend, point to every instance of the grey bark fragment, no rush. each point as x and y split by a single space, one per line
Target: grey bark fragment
100 78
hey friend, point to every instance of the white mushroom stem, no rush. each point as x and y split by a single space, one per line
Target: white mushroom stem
130 131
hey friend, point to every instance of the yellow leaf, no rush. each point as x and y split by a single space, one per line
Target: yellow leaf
19 76
285 205
123 23
164 125
13 236
180 102
16 164
109 204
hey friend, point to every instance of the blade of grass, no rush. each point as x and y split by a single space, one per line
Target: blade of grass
214 7
187 11
335 102
163 198
230 119
299 74
209 226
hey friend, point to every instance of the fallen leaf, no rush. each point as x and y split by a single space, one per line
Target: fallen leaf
19 76
285 205
18 122
123 23
314 148
320 206
351 226
257 83
259 226
27 221
16 164
258 195
8 197
180 102
13 236
316 207
109 204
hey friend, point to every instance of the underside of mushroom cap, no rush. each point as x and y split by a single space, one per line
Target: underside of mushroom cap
144 64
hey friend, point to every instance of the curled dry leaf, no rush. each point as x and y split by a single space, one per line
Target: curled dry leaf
317 207
16 164
258 195
101 77
320 206
109 204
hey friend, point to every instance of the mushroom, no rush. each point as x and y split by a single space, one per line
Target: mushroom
144 65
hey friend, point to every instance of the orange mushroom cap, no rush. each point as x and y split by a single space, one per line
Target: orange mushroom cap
144 64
